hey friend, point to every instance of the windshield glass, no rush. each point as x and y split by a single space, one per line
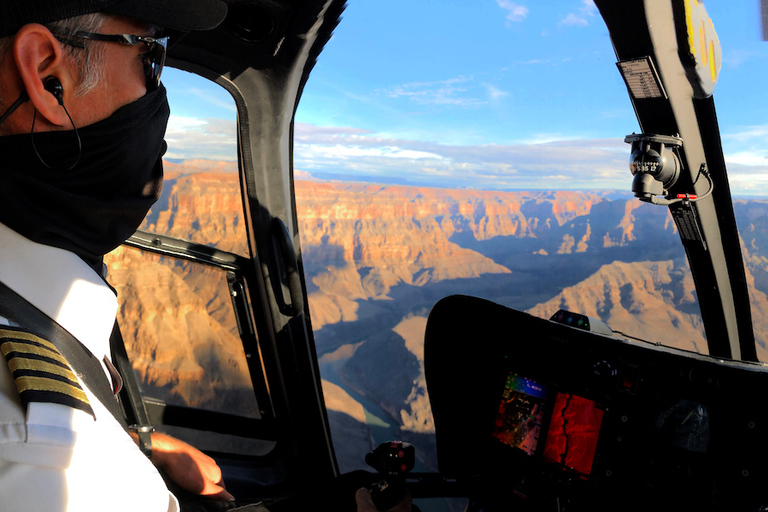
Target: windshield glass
479 150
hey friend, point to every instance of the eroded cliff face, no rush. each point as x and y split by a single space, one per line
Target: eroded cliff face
180 332
652 300
359 241
203 207
379 255
398 386
333 206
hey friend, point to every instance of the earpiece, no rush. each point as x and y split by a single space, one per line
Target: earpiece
53 86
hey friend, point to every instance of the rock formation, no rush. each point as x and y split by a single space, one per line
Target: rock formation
377 257
650 300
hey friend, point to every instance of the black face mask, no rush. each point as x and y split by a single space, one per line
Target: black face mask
95 206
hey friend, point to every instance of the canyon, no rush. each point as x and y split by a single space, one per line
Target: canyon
376 258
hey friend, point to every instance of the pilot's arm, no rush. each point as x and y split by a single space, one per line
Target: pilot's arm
187 466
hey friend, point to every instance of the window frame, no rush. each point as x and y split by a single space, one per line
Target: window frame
237 275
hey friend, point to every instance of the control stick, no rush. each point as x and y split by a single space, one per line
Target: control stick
393 460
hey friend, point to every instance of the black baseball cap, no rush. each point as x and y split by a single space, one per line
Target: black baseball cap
182 15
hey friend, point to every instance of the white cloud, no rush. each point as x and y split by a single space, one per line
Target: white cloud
516 12
598 163
495 93
327 134
548 138
748 180
214 99
182 124
616 113
589 8
537 62
749 133
750 158
573 19
340 151
736 57
747 147
581 18
210 139
534 61
536 163
458 92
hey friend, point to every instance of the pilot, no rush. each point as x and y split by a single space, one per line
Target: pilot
82 120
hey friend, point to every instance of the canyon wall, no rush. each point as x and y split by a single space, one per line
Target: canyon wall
377 257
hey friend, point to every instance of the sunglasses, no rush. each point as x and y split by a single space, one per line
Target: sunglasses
153 59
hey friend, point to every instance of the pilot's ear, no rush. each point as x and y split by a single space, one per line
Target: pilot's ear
38 55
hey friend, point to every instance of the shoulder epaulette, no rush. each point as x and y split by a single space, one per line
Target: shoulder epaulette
40 371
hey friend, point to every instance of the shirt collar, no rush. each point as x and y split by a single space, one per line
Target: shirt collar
62 286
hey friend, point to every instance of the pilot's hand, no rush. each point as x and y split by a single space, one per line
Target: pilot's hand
365 503
190 468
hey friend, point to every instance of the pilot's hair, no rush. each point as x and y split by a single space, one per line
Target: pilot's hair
88 60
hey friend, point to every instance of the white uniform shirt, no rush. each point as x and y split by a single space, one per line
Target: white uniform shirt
55 458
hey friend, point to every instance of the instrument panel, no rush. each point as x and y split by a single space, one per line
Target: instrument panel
545 416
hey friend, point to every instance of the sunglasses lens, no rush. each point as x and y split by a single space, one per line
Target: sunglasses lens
153 63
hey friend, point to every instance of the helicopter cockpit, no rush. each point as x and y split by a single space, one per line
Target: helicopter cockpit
559 413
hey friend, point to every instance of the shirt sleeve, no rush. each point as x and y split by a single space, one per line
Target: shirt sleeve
58 458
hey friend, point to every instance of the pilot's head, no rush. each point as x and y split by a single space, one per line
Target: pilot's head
83 115
51 50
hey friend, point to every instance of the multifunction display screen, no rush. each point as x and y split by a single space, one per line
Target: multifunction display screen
521 414
572 432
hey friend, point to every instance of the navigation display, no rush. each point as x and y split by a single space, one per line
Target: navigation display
521 413
573 432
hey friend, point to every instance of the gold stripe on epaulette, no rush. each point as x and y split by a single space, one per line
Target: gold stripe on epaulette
23 347
22 363
28 336
41 373
27 383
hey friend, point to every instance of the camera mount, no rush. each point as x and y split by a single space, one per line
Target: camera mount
655 164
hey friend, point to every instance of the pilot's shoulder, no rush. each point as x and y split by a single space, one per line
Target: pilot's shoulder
41 400
39 371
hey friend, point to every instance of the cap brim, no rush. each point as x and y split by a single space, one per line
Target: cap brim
184 15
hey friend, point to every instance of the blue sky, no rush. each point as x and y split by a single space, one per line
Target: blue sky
487 94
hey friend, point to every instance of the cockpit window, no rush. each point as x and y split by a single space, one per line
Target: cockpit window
487 162
201 195
179 280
